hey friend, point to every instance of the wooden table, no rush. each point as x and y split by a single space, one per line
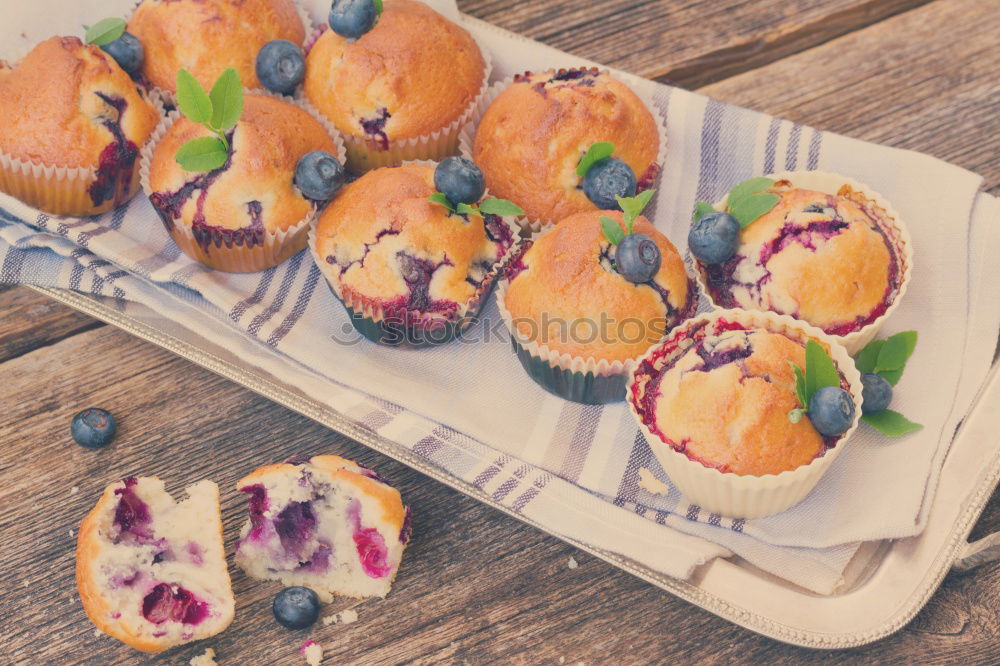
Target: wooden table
476 585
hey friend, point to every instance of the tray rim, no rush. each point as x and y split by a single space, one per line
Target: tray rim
953 546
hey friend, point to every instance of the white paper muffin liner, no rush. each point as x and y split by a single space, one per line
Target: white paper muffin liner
892 224
363 153
372 312
169 99
62 190
576 378
466 139
745 496
237 258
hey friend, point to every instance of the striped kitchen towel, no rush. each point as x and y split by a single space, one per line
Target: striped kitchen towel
469 408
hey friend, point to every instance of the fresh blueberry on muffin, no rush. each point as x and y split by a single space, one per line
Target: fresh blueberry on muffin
400 90
79 114
410 266
532 138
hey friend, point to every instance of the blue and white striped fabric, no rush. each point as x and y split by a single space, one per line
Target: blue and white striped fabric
469 408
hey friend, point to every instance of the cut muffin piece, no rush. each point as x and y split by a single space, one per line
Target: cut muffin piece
151 571
327 523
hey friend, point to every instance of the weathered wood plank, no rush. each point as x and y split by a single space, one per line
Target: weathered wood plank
925 80
31 321
687 42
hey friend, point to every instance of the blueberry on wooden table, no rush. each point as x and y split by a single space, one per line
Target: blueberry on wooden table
93 428
296 607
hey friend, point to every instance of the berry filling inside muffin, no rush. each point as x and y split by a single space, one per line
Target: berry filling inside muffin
117 160
375 128
721 394
305 529
845 233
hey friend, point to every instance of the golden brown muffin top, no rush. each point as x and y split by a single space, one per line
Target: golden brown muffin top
255 187
725 400
567 276
206 37
65 98
532 137
384 242
819 257
414 73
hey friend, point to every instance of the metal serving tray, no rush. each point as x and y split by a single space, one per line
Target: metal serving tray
887 582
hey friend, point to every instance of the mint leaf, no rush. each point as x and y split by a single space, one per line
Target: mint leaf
632 207
890 423
104 32
611 230
501 207
896 351
596 153
192 99
227 101
701 209
796 415
749 208
202 154
820 370
800 386
466 209
750 186
378 8
440 198
867 358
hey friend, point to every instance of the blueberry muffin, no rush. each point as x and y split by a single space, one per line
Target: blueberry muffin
827 253
402 90
75 123
325 523
207 37
151 571
576 321
717 402
409 271
247 215
533 135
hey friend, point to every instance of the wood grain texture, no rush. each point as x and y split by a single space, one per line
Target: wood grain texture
686 42
475 586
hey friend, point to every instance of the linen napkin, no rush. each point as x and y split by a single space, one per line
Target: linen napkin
468 406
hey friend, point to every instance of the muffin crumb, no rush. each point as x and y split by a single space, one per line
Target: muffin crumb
74 490
207 658
348 616
313 652
573 564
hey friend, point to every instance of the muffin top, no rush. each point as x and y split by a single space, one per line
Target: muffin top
207 37
414 73
822 258
73 106
382 242
565 284
254 189
724 401
535 132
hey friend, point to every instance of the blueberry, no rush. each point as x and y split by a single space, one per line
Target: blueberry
93 428
460 180
127 51
319 175
877 393
831 411
352 18
714 238
280 66
605 180
637 258
296 607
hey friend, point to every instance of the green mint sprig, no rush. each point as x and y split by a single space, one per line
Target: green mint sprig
491 206
887 358
819 372
218 111
104 32
632 207
747 201
378 8
596 153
